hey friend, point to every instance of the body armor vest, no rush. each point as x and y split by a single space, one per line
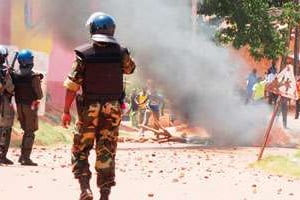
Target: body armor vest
103 76
24 91
2 74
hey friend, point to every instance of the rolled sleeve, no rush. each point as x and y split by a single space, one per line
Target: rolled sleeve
128 63
71 85
75 78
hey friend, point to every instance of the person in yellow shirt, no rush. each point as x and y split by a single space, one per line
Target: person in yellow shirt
259 90
142 102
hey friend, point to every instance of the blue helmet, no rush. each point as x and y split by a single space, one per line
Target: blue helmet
3 51
102 27
25 57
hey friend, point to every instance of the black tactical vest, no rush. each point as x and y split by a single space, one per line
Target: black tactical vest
2 74
103 76
24 91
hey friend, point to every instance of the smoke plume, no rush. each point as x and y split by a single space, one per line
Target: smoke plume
199 77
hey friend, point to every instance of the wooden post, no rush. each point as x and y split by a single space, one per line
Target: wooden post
268 131
296 51
296 47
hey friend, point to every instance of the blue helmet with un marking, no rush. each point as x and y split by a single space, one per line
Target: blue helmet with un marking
102 27
25 57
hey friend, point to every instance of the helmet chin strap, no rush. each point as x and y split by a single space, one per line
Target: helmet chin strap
27 66
103 38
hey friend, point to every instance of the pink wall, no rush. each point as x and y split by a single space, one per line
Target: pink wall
60 58
5 9
60 63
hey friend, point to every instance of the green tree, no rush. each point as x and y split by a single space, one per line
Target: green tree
262 25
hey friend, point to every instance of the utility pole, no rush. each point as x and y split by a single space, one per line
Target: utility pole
296 47
296 51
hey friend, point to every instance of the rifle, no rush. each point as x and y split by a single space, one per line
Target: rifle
12 66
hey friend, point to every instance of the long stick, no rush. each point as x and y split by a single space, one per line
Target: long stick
267 134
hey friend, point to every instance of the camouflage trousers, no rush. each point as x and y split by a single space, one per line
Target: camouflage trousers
97 124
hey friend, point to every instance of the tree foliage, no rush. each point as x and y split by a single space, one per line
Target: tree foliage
263 25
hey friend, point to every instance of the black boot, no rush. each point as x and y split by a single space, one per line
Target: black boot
104 192
86 192
4 146
6 161
26 149
27 162
25 158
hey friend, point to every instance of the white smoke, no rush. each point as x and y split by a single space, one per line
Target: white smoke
199 77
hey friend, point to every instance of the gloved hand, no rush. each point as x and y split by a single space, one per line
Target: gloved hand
35 105
66 119
123 106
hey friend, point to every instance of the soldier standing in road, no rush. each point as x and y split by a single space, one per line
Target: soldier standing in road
98 70
6 108
28 93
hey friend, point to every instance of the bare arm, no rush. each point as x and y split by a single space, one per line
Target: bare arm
128 63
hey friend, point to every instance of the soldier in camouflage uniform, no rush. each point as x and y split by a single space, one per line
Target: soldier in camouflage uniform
6 108
28 92
98 70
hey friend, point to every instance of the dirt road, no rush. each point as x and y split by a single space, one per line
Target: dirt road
152 171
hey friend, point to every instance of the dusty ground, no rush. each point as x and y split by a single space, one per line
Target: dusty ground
154 171
160 172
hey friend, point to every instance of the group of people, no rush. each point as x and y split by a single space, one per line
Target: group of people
97 73
25 86
256 86
144 104
96 84
256 91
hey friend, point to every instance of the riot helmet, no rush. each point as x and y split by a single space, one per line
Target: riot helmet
3 54
102 27
25 58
